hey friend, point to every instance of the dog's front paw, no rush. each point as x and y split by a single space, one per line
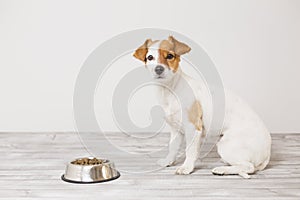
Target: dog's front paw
164 162
184 169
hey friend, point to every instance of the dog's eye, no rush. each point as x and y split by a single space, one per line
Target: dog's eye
150 57
170 56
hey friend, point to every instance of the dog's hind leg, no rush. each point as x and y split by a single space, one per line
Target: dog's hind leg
242 169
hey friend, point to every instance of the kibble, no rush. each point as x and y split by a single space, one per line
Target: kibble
87 161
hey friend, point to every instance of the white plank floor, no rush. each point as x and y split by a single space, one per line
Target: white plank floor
31 165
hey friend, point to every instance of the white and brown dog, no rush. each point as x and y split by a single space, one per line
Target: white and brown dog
245 143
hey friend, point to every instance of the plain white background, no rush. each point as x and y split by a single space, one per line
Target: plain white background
254 44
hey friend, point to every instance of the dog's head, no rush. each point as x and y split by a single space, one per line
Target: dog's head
162 57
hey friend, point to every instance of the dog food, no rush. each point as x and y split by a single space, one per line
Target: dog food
87 161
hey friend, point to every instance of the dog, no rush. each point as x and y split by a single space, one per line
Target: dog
245 142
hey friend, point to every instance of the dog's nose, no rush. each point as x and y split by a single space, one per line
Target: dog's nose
159 69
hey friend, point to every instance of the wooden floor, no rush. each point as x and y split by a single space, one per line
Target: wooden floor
32 163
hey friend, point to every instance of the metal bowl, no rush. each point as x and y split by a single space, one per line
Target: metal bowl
90 170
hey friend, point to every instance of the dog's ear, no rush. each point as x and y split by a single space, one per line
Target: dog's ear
179 47
141 52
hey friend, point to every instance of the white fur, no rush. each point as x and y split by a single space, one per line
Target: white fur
245 144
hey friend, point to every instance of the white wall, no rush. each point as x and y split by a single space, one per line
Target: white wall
254 44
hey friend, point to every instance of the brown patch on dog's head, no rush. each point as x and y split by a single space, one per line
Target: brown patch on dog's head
141 52
170 51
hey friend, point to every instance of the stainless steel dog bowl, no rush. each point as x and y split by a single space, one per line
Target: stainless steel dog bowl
90 170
